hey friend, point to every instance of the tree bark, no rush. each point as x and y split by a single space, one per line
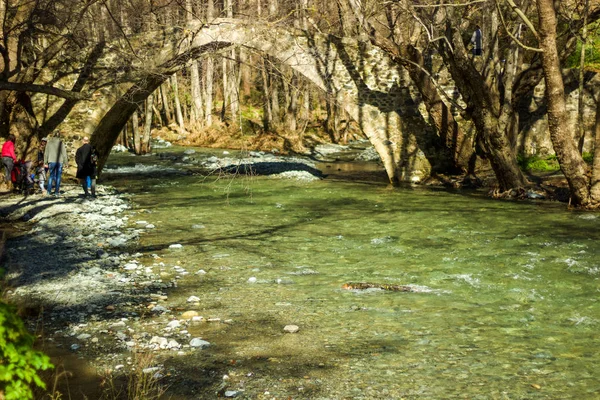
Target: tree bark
147 124
197 112
178 113
137 140
565 147
595 188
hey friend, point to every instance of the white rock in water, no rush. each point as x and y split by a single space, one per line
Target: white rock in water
198 226
252 279
75 346
201 272
84 336
291 328
193 299
150 226
232 393
176 246
141 222
173 344
197 342
189 151
130 266
174 324
225 152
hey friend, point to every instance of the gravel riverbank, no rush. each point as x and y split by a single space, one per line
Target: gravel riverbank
69 265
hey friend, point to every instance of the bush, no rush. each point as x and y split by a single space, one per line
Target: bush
19 362
537 163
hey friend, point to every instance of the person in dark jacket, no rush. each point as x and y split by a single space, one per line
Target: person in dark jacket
85 157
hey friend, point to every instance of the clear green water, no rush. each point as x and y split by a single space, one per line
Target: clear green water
513 310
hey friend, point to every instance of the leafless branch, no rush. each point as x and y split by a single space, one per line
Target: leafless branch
513 37
27 87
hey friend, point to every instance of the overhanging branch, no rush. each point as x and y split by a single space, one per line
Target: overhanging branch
29 87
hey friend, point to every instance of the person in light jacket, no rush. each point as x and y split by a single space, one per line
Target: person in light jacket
55 158
477 41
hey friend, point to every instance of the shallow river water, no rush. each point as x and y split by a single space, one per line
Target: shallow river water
506 301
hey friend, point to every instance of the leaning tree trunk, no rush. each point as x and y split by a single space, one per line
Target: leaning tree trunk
571 162
114 120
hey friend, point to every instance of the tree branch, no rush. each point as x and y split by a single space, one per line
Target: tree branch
28 87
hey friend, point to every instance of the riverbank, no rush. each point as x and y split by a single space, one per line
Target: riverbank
70 271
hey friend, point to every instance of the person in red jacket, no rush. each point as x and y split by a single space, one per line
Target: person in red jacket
9 158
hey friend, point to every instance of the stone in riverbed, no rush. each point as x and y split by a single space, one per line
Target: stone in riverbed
193 299
159 341
291 328
176 246
189 314
174 324
199 343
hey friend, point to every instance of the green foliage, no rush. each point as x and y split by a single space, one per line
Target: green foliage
537 163
592 51
19 362
588 157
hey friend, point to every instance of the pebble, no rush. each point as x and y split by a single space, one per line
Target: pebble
189 314
291 328
199 343
193 299
232 393
176 246
252 279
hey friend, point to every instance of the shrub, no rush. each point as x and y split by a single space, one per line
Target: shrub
19 362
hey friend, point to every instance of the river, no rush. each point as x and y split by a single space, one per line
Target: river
505 301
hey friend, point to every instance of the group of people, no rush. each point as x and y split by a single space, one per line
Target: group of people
51 159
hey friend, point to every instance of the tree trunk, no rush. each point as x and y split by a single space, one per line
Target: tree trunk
225 77
565 147
197 112
137 143
112 123
165 104
178 113
595 189
580 105
147 124
267 111
291 115
208 90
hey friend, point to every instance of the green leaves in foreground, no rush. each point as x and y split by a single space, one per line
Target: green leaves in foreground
19 362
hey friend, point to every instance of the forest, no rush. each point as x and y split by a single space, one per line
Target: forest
57 54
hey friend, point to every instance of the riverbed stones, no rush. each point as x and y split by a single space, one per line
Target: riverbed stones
193 299
175 246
